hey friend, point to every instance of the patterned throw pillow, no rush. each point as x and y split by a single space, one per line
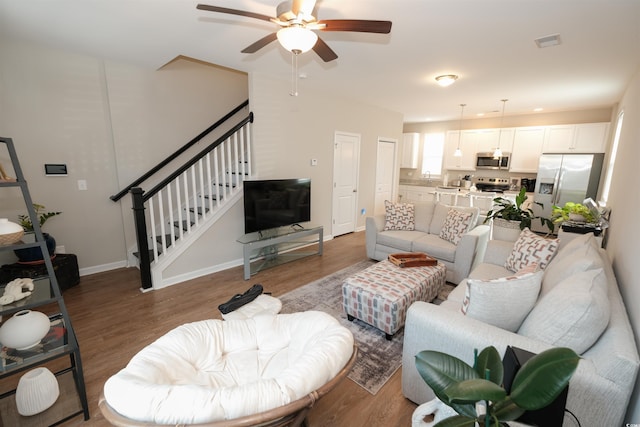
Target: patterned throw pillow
399 216
531 249
455 225
503 302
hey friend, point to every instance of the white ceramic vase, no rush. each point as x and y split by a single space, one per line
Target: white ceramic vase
24 330
10 232
37 390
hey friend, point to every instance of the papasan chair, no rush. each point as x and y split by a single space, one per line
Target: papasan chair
264 370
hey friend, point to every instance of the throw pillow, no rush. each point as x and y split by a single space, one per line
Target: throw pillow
503 302
531 249
573 314
456 224
580 254
399 216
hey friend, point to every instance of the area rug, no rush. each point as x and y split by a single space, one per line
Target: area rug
378 359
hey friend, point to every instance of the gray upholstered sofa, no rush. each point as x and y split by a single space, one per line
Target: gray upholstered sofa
579 302
429 220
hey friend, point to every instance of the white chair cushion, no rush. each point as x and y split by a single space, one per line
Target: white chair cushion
263 304
573 314
215 370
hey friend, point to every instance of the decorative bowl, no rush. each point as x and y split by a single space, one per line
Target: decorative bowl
10 232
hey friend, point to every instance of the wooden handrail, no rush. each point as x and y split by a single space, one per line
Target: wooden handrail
181 150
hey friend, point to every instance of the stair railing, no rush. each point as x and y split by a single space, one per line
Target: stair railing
189 195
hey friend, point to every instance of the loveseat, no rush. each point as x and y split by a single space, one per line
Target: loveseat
578 306
429 227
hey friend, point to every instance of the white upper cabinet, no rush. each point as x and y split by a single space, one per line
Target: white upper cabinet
527 147
487 139
410 144
467 161
591 137
581 138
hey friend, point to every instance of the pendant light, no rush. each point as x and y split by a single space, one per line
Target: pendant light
458 152
498 153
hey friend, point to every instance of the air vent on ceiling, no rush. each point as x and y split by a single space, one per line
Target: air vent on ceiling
548 41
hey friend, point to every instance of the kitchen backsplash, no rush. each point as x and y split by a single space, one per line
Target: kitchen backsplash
414 177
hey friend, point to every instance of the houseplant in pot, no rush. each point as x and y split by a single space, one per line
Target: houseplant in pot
34 255
466 388
576 212
514 216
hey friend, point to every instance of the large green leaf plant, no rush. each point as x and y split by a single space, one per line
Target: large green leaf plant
506 209
536 384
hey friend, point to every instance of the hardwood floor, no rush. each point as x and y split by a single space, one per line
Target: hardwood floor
114 320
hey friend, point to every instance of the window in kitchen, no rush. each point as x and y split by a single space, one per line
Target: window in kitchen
612 159
432 151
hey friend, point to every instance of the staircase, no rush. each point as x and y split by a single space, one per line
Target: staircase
174 213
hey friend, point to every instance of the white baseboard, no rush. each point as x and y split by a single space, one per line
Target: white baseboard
101 268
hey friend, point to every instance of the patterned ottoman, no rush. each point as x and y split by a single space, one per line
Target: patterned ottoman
381 294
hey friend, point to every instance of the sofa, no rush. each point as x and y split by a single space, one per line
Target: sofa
447 233
577 305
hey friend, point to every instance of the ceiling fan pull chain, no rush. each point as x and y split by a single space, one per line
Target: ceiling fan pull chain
294 72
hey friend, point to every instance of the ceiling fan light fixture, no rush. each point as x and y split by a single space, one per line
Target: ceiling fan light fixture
446 80
297 39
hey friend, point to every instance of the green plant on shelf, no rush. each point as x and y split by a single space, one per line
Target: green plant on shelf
570 211
25 220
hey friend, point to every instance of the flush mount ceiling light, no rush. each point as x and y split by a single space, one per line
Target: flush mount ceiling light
458 152
548 41
446 80
297 39
498 153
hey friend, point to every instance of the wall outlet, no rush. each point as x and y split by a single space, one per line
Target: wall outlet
314 162
82 184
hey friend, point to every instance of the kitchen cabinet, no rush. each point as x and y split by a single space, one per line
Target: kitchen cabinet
580 138
410 145
527 148
487 140
416 193
467 162
591 137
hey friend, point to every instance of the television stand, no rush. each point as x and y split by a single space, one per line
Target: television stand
268 249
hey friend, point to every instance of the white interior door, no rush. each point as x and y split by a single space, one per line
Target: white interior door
346 157
385 173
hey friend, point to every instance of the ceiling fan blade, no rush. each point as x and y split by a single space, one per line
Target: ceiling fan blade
234 12
260 43
358 25
324 51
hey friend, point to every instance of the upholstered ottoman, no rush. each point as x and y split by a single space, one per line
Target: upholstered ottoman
381 294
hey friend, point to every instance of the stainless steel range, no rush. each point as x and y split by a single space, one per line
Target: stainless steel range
497 185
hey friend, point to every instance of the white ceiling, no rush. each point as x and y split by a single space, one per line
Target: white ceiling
488 43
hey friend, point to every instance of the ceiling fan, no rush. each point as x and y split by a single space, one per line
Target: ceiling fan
297 22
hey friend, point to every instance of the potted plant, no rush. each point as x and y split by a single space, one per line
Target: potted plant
464 388
514 214
572 212
34 254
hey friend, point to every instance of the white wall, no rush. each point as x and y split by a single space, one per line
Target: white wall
108 122
623 244
287 133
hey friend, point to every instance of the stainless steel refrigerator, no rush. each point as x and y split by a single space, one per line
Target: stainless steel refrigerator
565 178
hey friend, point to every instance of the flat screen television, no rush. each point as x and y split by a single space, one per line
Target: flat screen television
273 203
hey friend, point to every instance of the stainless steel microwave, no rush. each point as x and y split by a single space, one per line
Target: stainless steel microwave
487 161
